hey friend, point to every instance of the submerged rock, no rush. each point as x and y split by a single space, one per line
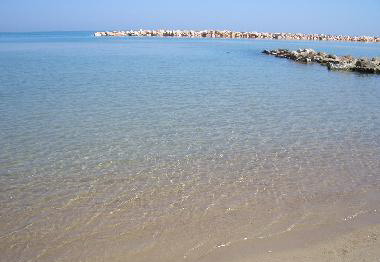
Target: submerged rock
332 62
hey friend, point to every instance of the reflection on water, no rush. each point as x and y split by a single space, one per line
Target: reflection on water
168 149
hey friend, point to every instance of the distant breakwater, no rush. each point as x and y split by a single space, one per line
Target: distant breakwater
232 34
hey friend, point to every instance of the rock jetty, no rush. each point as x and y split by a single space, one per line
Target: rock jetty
333 62
231 34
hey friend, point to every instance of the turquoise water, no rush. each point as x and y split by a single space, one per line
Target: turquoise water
118 148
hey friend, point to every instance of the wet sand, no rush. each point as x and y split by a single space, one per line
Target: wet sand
361 245
315 246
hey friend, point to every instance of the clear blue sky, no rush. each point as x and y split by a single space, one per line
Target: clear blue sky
360 17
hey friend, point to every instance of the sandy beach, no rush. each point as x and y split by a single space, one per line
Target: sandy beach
314 246
361 245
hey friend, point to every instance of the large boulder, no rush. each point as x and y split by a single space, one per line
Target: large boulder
366 66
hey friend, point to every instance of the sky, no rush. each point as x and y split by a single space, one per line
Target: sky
352 17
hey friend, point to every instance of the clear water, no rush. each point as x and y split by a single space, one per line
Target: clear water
145 149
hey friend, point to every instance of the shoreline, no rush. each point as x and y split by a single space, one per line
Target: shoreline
226 34
346 240
358 245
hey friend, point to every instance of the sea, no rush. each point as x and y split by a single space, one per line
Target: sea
171 149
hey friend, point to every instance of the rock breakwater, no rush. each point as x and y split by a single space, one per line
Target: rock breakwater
232 34
333 62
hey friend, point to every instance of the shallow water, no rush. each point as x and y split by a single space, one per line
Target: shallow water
146 149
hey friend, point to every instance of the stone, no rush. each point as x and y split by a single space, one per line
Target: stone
365 66
333 62
231 34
